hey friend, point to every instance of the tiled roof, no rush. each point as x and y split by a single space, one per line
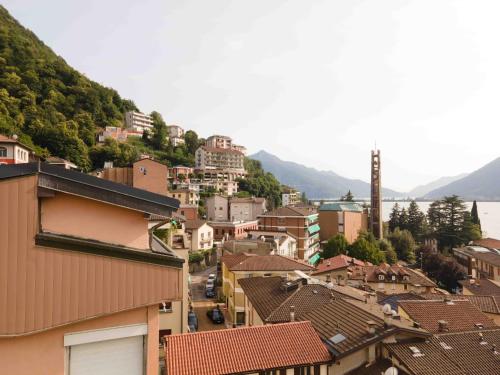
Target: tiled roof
481 287
463 353
337 262
376 368
291 211
342 317
460 315
342 206
491 243
487 304
244 350
194 224
485 254
393 299
371 273
251 262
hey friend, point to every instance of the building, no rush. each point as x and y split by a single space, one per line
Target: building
113 132
301 222
217 208
449 315
241 266
479 260
219 141
290 196
201 234
180 174
188 211
376 226
391 279
481 287
219 158
273 349
144 174
240 148
222 181
76 286
176 135
14 152
138 122
345 218
186 196
337 268
283 243
246 209
66 164
235 231
249 246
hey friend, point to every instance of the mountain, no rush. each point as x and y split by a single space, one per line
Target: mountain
422 190
316 184
47 103
482 184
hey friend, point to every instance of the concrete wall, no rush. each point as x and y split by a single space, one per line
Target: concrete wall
217 208
80 217
151 176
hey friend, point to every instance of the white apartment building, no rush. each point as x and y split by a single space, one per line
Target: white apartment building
138 122
219 141
290 196
12 151
175 131
219 158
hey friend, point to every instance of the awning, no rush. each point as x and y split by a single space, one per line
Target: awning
313 228
314 258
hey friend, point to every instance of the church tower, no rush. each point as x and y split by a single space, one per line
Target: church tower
376 197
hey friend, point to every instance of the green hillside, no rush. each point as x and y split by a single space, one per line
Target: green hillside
46 102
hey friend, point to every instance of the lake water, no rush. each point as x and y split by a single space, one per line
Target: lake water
489 214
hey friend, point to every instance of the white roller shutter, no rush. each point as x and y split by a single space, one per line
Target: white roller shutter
124 356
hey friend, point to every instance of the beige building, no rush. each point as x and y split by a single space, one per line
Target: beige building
217 207
290 196
185 196
219 141
246 209
138 122
200 233
76 289
345 218
480 261
219 158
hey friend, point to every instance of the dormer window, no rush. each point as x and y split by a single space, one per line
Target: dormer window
393 278
381 277
406 278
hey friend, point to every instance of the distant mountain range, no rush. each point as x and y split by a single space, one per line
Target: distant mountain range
423 190
482 184
316 184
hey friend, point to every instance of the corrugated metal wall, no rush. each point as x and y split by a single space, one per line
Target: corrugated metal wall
42 288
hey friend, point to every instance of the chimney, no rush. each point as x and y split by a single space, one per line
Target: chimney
371 327
328 279
443 326
292 313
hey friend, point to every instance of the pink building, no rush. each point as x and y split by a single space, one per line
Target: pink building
14 152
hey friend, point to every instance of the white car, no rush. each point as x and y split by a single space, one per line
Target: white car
211 276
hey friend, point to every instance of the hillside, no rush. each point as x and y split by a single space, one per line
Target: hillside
482 184
422 190
46 102
316 184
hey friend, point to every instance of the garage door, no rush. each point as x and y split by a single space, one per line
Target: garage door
122 356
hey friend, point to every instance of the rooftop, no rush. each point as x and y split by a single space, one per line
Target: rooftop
393 299
486 254
337 262
252 262
244 350
487 304
371 274
490 243
222 150
342 206
481 287
292 211
459 315
194 224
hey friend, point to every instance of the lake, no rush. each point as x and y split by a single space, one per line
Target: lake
489 214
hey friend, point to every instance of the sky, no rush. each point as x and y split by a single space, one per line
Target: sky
316 82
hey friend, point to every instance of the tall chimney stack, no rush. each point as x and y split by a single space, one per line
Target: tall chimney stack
376 196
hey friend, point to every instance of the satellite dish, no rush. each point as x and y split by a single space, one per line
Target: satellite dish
391 371
387 309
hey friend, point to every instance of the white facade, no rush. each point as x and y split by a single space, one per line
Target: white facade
219 141
138 122
291 198
175 131
202 238
12 152
216 158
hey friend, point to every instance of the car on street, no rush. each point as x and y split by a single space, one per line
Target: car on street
192 321
215 315
210 293
212 276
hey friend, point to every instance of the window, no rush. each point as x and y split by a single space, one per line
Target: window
240 317
393 278
3 152
163 333
165 307
381 277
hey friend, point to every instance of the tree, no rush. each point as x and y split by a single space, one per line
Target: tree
366 248
160 131
181 177
348 197
416 221
390 254
335 246
394 217
475 215
403 219
260 184
404 244
192 141
303 198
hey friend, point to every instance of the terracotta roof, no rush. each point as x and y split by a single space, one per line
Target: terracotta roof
337 262
252 262
244 350
460 315
194 224
481 287
291 211
342 317
491 243
487 304
371 273
379 367
463 353
393 299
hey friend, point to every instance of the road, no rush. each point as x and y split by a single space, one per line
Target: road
198 281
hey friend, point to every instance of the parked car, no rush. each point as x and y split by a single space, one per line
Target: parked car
210 284
212 276
192 321
210 292
215 315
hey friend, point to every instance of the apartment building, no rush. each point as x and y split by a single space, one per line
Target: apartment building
180 174
219 141
290 196
242 266
176 135
480 261
228 230
200 233
219 159
185 196
79 259
301 222
14 152
138 122
246 209
345 218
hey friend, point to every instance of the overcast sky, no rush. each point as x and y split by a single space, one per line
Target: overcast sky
315 82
